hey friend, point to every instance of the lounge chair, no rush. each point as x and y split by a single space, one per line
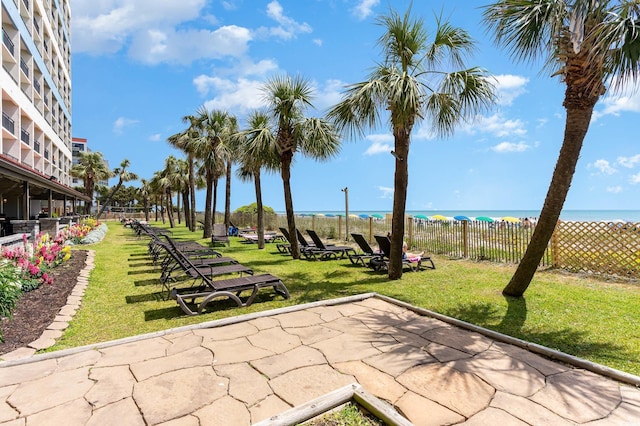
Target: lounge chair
326 251
284 247
220 235
208 289
304 245
367 251
185 268
382 262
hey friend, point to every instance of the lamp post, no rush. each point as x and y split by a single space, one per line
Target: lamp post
346 212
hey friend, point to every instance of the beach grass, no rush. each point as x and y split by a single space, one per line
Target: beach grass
578 315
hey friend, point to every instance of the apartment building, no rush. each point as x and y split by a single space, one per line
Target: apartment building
35 79
78 146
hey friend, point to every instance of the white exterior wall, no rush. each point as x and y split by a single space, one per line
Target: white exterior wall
38 101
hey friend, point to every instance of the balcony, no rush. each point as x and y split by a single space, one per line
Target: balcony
36 85
36 146
7 42
8 123
24 136
24 67
46 154
36 25
26 3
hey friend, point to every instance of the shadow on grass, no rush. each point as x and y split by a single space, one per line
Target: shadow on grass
513 323
140 264
144 271
157 296
141 254
150 281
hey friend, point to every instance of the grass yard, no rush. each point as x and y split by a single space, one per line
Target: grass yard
585 317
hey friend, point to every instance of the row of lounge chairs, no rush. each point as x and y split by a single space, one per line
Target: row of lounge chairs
375 259
203 269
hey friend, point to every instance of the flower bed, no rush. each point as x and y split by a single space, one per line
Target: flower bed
24 267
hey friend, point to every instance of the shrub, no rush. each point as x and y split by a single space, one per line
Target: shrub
10 287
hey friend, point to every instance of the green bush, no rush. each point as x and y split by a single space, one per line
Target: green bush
10 287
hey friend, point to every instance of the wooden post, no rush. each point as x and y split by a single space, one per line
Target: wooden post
465 239
339 227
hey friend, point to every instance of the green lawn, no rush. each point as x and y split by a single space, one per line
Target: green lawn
584 317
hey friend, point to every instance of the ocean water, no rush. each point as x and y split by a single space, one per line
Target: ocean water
569 215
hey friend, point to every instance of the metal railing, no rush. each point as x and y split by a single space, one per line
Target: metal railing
24 67
8 123
7 42
24 136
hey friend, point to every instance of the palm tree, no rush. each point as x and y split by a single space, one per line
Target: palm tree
124 175
587 43
210 150
418 79
186 141
229 159
256 150
144 192
91 168
286 98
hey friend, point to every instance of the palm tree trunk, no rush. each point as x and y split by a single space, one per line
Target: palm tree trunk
400 181
178 207
285 172
227 199
192 190
170 209
146 209
208 229
187 209
215 202
576 127
256 184
107 202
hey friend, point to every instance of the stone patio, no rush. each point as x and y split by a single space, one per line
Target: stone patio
244 370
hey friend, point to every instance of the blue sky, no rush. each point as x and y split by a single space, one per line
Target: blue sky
139 66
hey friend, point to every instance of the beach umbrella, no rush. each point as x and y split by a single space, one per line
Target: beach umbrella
439 217
484 219
421 216
319 215
364 216
354 216
340 214
510 219
461 217
377 216
330 215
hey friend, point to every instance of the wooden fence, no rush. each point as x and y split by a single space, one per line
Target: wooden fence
593 247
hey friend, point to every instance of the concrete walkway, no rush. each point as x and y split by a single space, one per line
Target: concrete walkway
249 368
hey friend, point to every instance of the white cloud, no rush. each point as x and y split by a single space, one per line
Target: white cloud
510 87
602 167
627 100
386 192
121 123
629 162
635 179
380 144
614 189
317 42
497 125
364 8
155 137
288 27
237 97
511 147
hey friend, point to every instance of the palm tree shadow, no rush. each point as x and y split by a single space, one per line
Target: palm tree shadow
516 315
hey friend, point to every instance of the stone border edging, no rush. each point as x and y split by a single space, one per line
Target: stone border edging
61 320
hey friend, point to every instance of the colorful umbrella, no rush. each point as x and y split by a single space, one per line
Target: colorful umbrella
354 216
421 216
511 219
319 215
439 217
484 219
364 216
330 215
461 217
377 216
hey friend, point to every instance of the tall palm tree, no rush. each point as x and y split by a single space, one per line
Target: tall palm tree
417 80
91 168
229 159
144 192
587 43
124 175
287 98
256 150
186 141
210 150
